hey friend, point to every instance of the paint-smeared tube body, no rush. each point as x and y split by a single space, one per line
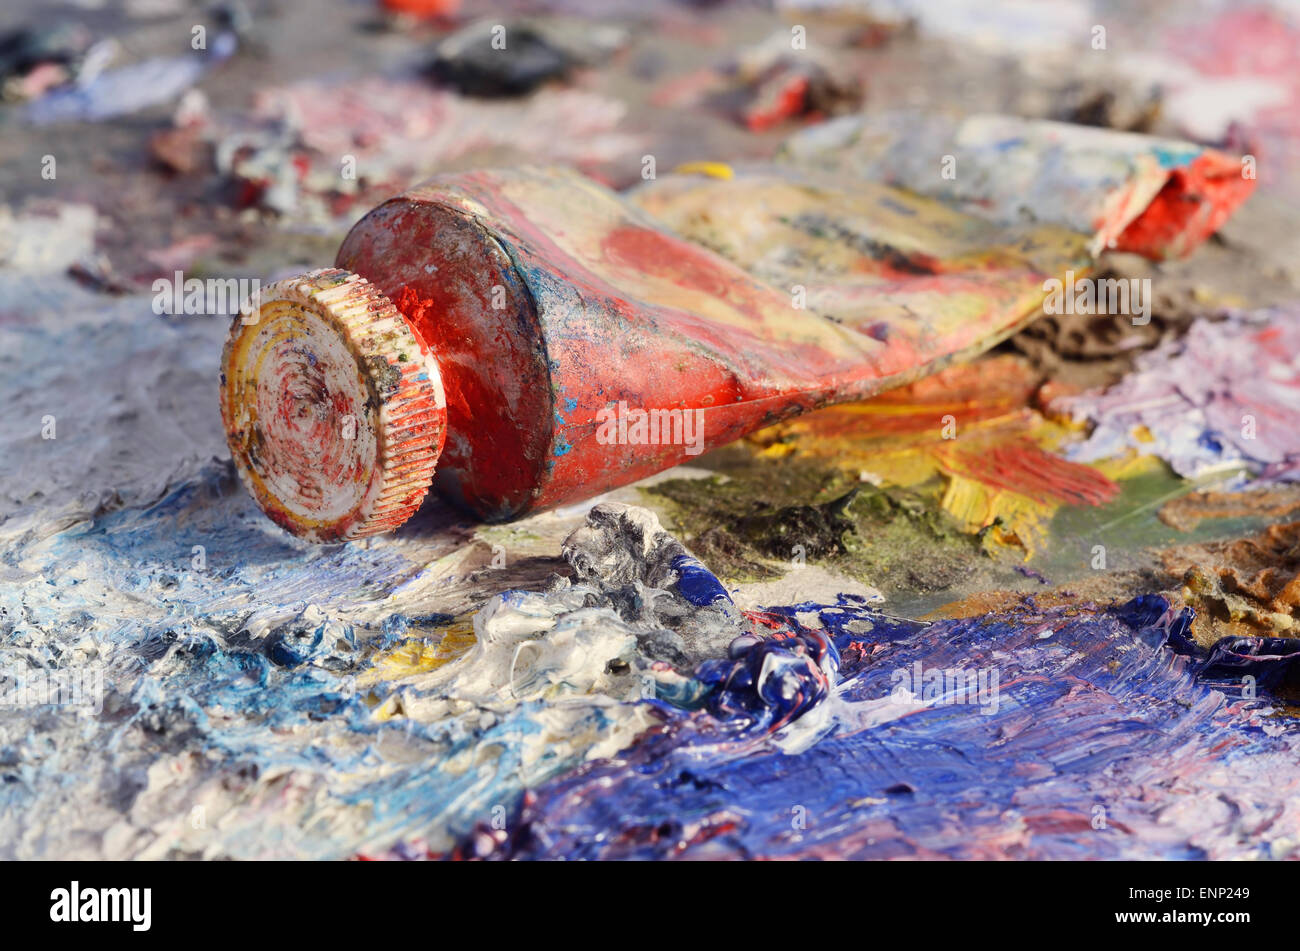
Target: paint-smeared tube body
559 313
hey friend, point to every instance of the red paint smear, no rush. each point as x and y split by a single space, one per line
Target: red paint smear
1194 203
645 251
786 102
425 9
1002 386
908 267
420 312
661 256
1021 466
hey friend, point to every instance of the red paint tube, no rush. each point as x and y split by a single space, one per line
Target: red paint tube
528 338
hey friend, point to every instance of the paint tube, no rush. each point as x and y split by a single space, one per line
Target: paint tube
1129 192
538 340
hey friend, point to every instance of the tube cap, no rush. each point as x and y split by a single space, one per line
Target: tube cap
333 406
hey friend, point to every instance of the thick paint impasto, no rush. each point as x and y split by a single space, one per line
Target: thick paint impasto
839 730
1223 399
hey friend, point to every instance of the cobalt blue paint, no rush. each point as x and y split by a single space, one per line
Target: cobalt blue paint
773 680
1095 721
697 584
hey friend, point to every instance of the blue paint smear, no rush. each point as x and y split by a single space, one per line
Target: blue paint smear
184 671
1171 156
1099 712
697 584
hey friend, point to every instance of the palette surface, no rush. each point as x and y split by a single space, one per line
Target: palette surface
1037 597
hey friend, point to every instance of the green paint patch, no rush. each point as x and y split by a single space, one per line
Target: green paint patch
757 522
1129 528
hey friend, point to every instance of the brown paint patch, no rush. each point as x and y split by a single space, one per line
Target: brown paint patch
1245 587
1187 512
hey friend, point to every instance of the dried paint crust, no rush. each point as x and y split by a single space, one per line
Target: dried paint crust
1245 587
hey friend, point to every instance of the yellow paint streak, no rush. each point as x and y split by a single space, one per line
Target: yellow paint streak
1130 465
1023 520
712 169
419 657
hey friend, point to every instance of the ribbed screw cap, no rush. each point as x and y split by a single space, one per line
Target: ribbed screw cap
333 406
